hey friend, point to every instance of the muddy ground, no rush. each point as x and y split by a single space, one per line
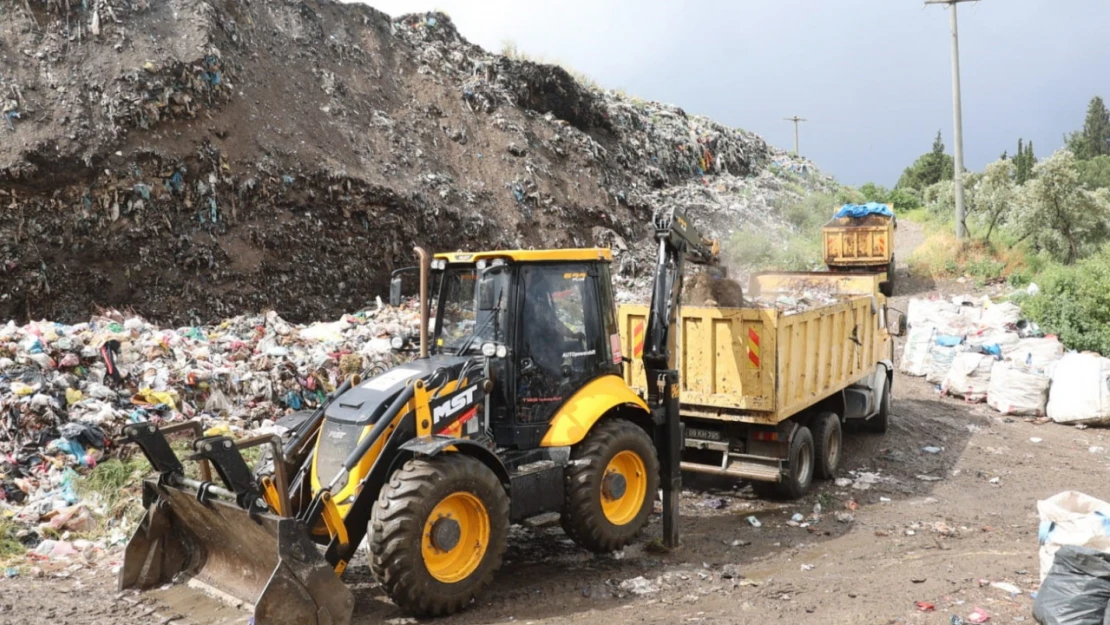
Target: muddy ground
909 540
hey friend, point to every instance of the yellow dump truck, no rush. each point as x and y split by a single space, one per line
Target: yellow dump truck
862 241
765 389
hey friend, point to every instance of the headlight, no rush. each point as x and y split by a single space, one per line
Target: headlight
489 350
397 342
502 351
481 264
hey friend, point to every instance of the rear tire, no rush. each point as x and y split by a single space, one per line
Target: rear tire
887 287
828 444
611 484
798 477
438 532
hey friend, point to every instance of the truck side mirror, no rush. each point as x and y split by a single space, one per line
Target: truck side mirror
896 322
395 291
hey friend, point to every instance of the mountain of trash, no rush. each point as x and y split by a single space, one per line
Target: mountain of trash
66 391
192 160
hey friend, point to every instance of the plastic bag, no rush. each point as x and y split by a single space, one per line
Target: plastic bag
926 312
1072 518
1077 589
940 361
969 376
915 355
1080 391
1015 391
1036 354
1002 316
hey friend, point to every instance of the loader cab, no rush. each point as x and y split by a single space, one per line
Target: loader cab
544 320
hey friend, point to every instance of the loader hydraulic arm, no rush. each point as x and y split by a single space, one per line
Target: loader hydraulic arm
678 242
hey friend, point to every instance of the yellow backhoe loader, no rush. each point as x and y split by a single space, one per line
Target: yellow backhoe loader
516 406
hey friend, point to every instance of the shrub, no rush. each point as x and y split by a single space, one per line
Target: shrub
1074 303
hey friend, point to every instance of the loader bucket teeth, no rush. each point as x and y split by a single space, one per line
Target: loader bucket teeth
263 561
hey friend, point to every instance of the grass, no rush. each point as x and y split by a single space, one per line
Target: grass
113 482
9 544
511 51
985 262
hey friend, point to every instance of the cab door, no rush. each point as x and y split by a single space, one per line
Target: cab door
563 340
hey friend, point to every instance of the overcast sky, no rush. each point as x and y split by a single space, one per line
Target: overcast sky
872 76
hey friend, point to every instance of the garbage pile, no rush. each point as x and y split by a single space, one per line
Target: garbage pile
172 175
67 390
983 351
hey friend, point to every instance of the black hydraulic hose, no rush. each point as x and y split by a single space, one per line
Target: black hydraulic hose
379 427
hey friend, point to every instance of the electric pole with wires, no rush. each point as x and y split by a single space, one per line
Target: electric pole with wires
796 119
957 116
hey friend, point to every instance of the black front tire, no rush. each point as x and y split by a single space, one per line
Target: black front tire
879 423
584 519
397 532
828 443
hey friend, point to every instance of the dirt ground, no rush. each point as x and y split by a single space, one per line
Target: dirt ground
936 540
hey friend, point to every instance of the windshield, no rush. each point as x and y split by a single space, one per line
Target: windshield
462 326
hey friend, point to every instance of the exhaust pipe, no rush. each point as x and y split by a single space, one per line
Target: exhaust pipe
425 268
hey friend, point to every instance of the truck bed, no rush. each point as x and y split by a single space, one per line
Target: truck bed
865 242
803 337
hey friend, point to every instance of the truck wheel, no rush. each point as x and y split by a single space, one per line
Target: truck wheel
878 423
887 287
827 443
798 477
610 486
438 532
797 480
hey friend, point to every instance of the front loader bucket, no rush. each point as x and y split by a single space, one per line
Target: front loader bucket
267 562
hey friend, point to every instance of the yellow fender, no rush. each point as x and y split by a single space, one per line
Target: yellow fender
579 414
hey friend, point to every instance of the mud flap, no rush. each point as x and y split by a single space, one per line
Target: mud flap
265 561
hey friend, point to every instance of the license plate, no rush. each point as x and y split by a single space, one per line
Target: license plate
703 434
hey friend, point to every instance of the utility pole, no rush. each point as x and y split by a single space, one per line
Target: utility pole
795 119
957 115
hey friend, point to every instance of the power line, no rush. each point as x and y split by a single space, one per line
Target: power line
957 117
796 119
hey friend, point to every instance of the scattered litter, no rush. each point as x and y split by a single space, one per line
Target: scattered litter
929 478
1036 439
978 616
845 517
754 522
925 606
808 567
1006 587
638 586
932 450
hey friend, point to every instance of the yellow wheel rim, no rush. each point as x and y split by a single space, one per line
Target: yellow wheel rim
456 536
623 488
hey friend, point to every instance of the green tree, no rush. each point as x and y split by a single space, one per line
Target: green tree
992 199
1024 162
1094 173
1094 139
1057 214
928 169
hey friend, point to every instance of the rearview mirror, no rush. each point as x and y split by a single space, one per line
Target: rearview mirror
896 322
395 291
